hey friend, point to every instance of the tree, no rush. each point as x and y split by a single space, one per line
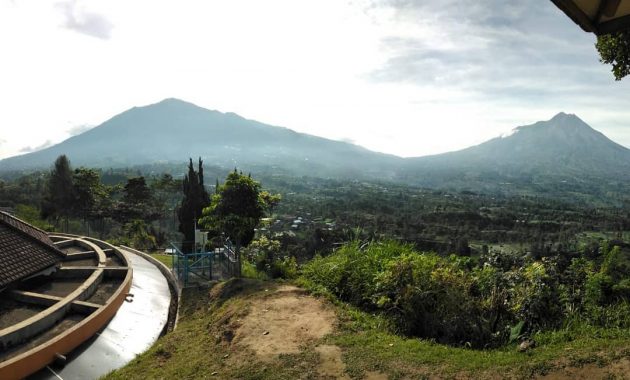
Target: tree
236 210
59 199
195 199
136 191
614 49
140 238
167 196
90 195
137 202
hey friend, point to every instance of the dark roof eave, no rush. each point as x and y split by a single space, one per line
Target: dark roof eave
26 229
588 25
614 25
576 14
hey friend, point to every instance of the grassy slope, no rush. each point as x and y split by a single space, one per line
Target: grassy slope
165 259
201 346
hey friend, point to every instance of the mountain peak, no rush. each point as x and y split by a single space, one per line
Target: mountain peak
173 102
563 115
567 120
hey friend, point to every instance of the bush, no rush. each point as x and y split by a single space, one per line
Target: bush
452 300
265 256
425 295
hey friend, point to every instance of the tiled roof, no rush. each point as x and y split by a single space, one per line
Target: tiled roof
24 250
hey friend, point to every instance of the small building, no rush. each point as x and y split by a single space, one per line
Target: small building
25 252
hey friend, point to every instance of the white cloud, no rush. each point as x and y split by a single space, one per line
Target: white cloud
29 149
78 129
78 18
403 77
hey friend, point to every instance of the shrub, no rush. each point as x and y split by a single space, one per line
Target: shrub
451 300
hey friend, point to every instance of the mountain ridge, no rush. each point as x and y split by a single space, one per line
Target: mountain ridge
172 130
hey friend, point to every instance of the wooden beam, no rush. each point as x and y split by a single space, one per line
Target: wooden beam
611 8
615 25
575 13
606 8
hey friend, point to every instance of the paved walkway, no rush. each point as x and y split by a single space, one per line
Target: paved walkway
134 328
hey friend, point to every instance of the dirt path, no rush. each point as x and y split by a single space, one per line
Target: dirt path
283 321
288 320
616 370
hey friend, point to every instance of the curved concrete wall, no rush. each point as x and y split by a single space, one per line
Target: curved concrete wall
173 284
47 318
38 357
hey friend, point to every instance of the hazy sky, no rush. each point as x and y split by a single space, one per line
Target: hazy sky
404 77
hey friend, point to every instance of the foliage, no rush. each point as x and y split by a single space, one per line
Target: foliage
453 300
137 202
136 231
91 197
195 199
236 209
31 214
267 256
614 49
59 198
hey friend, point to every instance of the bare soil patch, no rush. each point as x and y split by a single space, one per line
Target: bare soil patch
616 370
331 366
283 321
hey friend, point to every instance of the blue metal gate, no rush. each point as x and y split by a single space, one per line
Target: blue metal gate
193 267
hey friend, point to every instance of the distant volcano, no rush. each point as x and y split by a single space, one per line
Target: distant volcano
173 130
564 145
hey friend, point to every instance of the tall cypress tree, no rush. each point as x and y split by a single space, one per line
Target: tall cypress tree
60 195
195 199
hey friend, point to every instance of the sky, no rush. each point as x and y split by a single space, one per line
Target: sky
404 77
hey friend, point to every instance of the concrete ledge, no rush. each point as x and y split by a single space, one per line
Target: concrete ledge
62 243
31 361
81 307
80 255
176 291
74 272
47 318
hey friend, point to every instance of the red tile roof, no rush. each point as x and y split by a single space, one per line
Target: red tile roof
24 250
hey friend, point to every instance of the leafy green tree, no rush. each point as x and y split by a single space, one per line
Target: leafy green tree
32 215
236 210
167 196
60 196
136 191
138 235
195 199
137 202
614 49
90 195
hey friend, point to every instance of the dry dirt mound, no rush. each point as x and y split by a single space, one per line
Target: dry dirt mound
287 321
282 321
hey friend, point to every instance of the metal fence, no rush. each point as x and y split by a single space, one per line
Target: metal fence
229 264
195 268
192 268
